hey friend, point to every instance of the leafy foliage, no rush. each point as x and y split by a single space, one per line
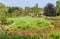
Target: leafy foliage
35 36
54 35
50 10
58 7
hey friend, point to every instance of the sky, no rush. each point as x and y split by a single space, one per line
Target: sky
24 3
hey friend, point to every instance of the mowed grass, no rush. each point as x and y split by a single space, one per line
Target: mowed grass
28 21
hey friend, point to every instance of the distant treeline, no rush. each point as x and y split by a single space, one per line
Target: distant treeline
18 11
48 10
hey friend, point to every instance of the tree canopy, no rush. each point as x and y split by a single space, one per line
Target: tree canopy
50 10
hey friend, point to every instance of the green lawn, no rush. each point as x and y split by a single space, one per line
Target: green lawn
29 22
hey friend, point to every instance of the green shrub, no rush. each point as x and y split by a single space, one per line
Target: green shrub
54 35
36 36
6 35
24 37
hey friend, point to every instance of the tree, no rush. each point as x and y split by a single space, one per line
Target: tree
50 10
15 11
36 9
3 12
27 10
58 7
